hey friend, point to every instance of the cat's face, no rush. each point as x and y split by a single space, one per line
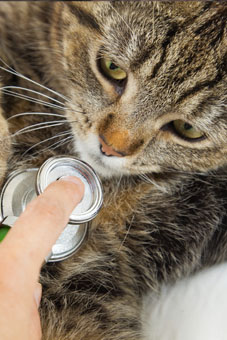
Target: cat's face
147 85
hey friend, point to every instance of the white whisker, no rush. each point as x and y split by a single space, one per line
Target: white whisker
56 145
62 142
46 140
148 180
32 99
36 114
12 71
39 126
50 147
37 101
127 233
119 182
123 20
33 91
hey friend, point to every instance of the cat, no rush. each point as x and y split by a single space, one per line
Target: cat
138 90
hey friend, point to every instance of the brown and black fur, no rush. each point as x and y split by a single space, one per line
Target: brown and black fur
151 229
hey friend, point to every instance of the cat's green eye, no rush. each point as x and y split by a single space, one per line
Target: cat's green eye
111 70
185 130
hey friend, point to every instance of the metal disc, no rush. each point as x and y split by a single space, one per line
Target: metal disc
56 167
69 242
17 192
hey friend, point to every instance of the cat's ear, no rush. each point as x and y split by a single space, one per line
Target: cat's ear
5 144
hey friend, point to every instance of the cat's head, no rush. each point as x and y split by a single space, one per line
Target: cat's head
147 84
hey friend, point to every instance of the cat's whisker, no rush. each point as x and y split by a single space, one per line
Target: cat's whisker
32 130
127 233
32 99
55 145
12 71
36 114
47 140
119 182
148 180
39 126
50 147
32 91
183 172
62 142
8 66
123 20
38 101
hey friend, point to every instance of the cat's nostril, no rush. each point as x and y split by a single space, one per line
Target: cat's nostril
108 150
101 150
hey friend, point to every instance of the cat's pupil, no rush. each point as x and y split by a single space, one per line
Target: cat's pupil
113 66
187 126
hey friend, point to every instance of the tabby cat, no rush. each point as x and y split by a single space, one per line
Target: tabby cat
139 91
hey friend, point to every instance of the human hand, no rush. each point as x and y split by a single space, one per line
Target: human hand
22 253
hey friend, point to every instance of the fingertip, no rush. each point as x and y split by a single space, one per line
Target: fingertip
80 187
74 180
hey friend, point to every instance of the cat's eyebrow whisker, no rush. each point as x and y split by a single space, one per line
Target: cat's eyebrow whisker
121 18
39 126
12 71
32 91
36 114
47 139
32 99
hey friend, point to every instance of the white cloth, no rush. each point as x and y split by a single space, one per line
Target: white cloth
192 309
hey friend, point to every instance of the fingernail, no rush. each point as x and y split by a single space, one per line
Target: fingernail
73 179
77 181
38 294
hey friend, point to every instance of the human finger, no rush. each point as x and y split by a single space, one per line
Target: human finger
31 238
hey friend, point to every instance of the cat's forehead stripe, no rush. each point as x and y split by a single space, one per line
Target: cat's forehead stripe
86 19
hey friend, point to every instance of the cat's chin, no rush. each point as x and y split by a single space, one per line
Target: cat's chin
89 152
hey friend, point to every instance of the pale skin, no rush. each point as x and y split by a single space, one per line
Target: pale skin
22 254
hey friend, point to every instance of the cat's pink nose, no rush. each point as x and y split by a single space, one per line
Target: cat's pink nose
108 150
